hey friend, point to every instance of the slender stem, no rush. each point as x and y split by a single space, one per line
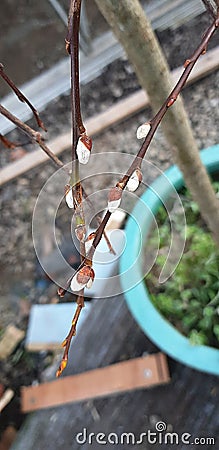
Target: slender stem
67 342
99 234
32 134
72 46
72 41
99 220
212 7
22 97
155 121
6 142
189 64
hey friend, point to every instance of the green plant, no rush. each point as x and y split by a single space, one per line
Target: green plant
190 298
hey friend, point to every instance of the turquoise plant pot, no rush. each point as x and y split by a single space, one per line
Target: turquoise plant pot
155 326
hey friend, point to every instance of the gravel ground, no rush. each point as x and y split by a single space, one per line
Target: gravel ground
21 280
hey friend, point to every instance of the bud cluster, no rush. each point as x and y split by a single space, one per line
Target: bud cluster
83 278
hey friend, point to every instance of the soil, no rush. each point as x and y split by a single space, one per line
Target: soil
22 281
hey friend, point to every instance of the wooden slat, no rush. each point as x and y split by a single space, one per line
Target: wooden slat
116 113
125 376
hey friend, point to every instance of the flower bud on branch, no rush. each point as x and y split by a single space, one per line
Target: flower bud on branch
143 130
114 198
89 242
69 196
83 149
80 232
83 278
134 181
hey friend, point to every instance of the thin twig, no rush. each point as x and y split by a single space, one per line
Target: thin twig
67 342
9 144
72 46
78 128
6 142
212 7
111 249
99 220
155 121
22 97
32 134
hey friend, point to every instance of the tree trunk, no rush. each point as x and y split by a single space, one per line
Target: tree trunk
133 30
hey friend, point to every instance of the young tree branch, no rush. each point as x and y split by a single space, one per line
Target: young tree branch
72 47
67 342
155 121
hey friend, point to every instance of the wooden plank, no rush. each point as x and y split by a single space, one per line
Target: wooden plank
9 341
96 124
121 377
6 398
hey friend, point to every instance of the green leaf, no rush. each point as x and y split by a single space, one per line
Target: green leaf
197 338
208 311
189 321
205 323
216 331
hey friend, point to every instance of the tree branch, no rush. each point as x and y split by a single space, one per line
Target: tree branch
156 120
72 46
22 97
154 123
212 7
67 342
32 134
6 142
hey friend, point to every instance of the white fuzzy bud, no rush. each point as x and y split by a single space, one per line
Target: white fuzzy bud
114 199
80 232
89 242
134 181
143 130
69 197
83 278
83 149
75 285
89 283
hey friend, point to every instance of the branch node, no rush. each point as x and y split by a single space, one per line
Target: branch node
186 63
170 102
